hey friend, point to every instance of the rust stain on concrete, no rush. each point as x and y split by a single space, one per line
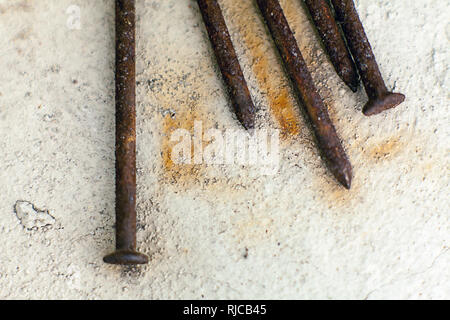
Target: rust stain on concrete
385 150
23 6
282 103
180 173
333 195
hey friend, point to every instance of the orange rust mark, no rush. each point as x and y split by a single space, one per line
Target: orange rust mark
283 110
385 150
17 7
178 173
428 166
130 139
189 175
334 195
281 102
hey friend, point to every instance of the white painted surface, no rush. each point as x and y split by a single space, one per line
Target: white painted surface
221 232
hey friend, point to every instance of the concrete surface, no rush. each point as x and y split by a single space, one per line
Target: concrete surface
219 232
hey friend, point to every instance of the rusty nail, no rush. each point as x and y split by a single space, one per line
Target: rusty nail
323 128
380 98
325 23
125 138
228 62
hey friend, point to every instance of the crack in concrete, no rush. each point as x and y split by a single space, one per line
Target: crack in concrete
391 282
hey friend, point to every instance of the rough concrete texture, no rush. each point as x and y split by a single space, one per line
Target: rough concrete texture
221 231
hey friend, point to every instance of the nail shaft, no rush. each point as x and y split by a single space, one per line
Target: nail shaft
324 131
380 98
333 41
228 62
125 138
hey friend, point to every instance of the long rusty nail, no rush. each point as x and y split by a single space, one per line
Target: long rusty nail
228 62
334 43
125 138
323 128
380 98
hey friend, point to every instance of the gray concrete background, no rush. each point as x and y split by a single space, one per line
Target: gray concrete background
225 231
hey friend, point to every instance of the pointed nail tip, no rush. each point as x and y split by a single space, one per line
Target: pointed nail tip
344 176
352 86
351 81
248 125
347 185
345 181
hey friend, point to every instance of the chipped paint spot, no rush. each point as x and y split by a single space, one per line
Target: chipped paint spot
32 218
